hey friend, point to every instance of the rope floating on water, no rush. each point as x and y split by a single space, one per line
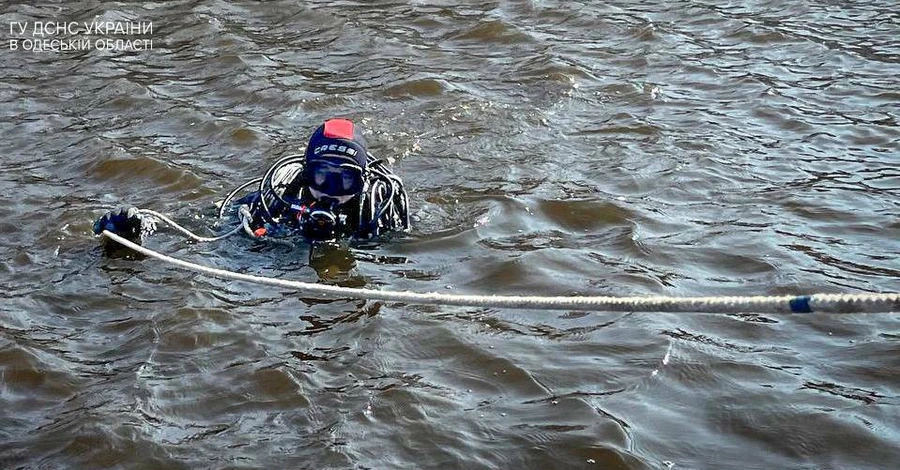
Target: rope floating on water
816 303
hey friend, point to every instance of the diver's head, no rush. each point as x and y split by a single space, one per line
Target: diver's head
336 162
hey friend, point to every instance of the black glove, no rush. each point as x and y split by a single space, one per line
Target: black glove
125 222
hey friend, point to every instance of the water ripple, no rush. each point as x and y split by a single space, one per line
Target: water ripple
680 148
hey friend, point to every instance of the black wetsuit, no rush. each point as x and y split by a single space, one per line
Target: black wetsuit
287 207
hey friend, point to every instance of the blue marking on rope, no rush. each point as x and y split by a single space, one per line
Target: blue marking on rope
800 304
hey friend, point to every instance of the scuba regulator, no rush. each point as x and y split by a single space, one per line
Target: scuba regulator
322 222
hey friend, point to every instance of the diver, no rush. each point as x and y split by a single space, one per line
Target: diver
336 190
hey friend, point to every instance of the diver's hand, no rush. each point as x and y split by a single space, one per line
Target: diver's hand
126 222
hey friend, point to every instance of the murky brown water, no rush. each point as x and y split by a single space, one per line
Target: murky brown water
551 147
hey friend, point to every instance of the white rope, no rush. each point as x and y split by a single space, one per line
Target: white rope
245 216
187 232
833 303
